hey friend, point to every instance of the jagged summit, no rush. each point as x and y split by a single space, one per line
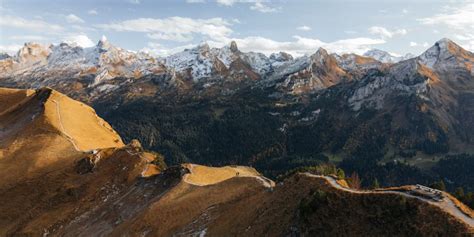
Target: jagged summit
446 52
321 52
280 57
103 38
32 52
233 47
445 41
103 43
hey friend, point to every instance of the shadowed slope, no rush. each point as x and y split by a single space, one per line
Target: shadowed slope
49 186
39 129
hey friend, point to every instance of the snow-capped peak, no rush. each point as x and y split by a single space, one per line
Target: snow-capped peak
105 61
32 52
281 57
197 59
103 43
443 49
320 54
382 56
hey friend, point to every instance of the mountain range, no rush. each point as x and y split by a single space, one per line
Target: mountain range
105 61
388 118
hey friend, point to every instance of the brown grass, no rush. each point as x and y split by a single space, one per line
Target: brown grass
203 175
465 209
34 142
11 97
80 122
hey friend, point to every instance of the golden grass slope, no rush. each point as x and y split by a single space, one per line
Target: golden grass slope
301 205
203 175
43 129
79 123
10 97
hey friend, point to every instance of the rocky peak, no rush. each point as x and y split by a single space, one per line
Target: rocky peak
442 50
281 57
32 52
354 62
444 42
203 47
380 55
103 43
322 57
233 47
386 57
321 53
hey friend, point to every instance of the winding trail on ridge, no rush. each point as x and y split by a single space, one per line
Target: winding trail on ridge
446 204
221 174
69 137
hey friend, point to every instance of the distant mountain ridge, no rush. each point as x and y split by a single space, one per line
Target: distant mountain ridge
106 61
386 57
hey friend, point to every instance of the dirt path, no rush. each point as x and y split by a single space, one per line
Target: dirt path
63 130
447 205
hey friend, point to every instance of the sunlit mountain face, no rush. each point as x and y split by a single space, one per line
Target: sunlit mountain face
220 118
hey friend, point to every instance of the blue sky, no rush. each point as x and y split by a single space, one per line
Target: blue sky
296 26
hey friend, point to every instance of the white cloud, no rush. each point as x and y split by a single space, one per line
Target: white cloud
79 39
93 12
174 28
459 19
426 44
257 5
384 33
466 36
10 49
413 44
134 1
161 51
34 25
170 36
467 40
227 2
404 11
304 28
71 18
195 1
